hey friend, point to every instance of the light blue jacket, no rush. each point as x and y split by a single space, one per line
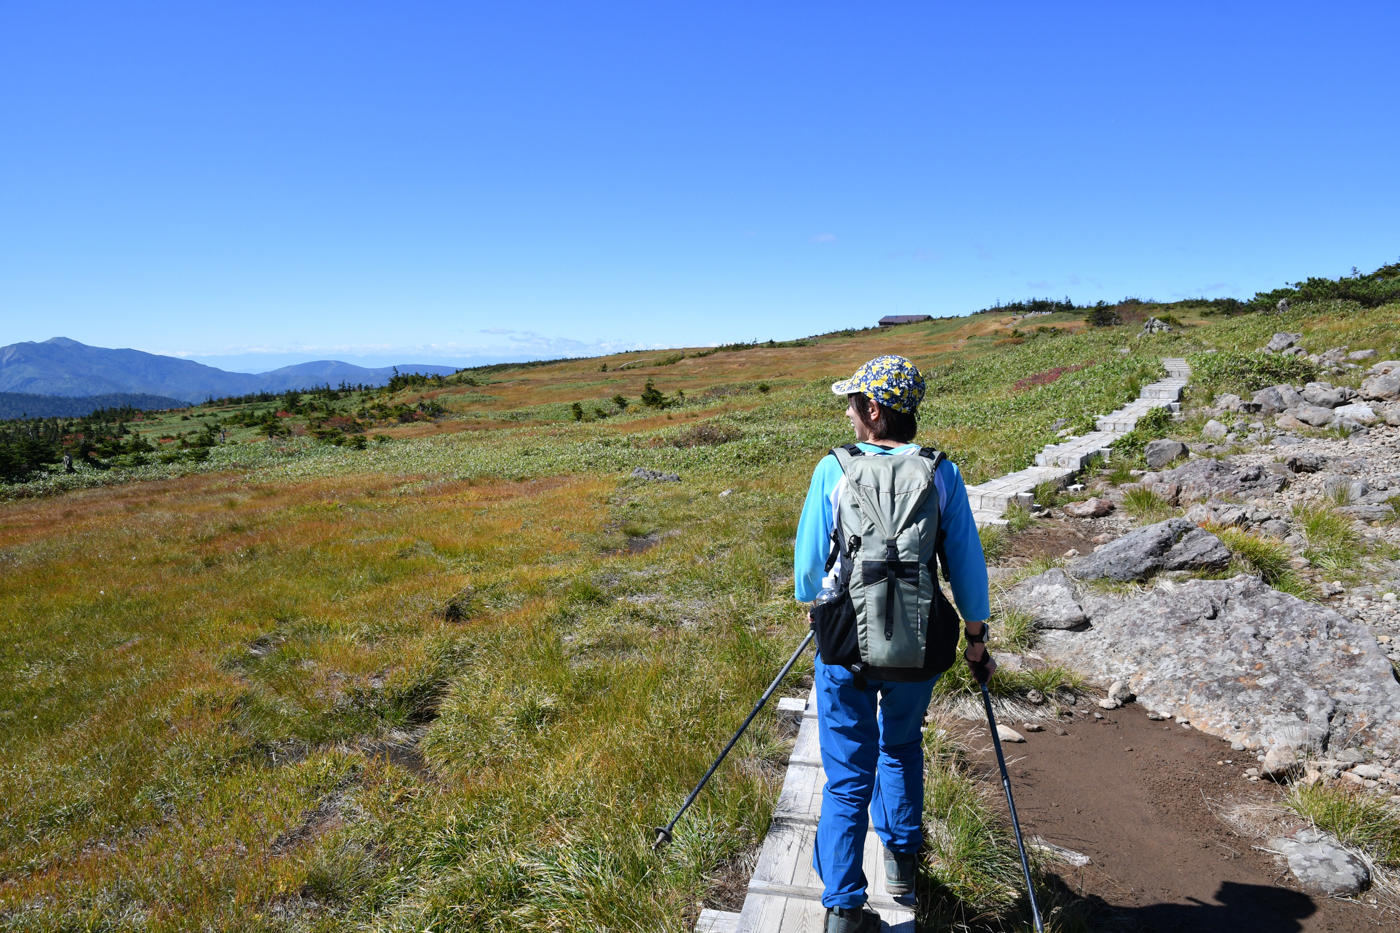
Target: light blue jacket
967 569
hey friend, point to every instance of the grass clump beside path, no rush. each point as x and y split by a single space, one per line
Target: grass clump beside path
1356 818
1263 556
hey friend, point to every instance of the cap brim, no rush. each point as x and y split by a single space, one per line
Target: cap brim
844 387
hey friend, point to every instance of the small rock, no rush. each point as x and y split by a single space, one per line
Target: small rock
1089 508
1119 692
1282 340
1370 772
1033 727
1072 552
1305 462
1060 730
1215 430
1157 717
1357 356
725 493
1106 703
1315 415
1281 763
1098 715
1035 697
1007 734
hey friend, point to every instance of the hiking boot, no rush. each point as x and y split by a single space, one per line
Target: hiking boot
900 871
852 920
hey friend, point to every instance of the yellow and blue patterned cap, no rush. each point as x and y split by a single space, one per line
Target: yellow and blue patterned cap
893 381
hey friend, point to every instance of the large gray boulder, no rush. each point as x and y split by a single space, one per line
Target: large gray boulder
1207 478
1161 452
1359 412
1320 864
1237 659
1315 415
1327 395
1050 599
1175 544
1282 341
1382 387
1277 398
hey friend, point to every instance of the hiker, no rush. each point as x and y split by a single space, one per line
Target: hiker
870 716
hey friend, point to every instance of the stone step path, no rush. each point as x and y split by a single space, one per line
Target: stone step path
1057 463
784 893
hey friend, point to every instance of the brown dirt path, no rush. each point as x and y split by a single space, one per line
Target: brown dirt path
1136 796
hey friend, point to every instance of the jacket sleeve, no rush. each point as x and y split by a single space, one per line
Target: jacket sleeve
813 543
967 568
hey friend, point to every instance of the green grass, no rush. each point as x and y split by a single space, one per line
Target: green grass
1354 817
1018 518
1267 558
1332 541
993 542
1146 506
1048 493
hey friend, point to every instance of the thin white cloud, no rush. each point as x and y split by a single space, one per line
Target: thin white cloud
824 238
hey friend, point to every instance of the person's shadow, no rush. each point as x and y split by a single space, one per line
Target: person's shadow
1241 908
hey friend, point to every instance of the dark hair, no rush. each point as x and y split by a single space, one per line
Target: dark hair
893 425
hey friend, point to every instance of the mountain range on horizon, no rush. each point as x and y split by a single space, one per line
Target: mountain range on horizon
64 367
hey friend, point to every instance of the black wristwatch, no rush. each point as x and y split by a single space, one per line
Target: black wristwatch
980 638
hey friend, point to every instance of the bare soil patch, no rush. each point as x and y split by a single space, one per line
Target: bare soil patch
1140 799
1051 538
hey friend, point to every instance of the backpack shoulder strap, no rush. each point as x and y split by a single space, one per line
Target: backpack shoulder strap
845 454
932 454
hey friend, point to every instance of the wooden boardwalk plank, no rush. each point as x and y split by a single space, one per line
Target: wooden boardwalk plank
785 892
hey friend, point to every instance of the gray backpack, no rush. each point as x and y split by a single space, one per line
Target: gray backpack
889 620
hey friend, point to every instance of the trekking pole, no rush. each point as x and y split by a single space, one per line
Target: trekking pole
663 833
1015 823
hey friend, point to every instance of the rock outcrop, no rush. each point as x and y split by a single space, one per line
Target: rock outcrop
1175 544
1207 478
1235 658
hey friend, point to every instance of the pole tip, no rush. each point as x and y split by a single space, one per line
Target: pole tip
663 837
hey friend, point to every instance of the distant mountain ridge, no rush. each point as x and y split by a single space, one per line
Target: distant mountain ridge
60 366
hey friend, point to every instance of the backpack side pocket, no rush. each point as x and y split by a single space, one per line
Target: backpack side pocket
834 621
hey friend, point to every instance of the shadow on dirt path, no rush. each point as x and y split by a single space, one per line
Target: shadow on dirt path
1139 798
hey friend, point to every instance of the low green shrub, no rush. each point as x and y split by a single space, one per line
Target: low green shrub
1247 373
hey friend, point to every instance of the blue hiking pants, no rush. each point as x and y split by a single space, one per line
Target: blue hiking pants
874 759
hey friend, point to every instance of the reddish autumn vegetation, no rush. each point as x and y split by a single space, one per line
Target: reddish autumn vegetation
1047 377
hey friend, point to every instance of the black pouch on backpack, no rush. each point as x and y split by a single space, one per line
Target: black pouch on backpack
834 622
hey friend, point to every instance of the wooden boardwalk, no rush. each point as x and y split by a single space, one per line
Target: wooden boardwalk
785 894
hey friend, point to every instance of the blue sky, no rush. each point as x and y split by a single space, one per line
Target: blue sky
254 184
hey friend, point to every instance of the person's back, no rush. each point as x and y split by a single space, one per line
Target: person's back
870 716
